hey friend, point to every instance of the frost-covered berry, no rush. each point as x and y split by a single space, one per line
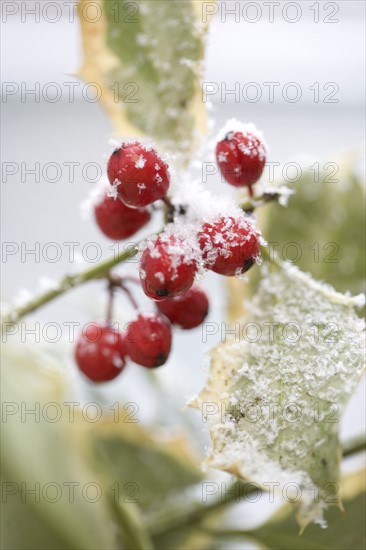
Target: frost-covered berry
188 310
168 267
100 352
148 340
117 220
138 174
241 157
230 245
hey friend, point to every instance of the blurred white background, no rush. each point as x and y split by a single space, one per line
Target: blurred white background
304 52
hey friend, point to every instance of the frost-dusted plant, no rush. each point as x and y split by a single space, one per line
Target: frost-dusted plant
270 400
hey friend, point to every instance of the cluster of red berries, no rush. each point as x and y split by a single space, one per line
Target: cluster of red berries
228 244
102 350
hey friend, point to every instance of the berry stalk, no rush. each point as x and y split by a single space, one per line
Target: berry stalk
71 281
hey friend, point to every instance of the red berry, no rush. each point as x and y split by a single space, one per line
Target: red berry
188 310
100 352
230 246
167 268
149 340
241 158
118 221
139 174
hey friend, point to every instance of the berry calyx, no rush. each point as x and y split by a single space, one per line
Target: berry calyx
138 174
117 220
241 157
230 245
188 310
148 340
100 352
168 267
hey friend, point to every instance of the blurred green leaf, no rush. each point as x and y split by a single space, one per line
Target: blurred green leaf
38 451
131 467
23 527
185 539
326 221
146 468
346 529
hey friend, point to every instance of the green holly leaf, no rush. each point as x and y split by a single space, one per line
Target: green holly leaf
324 220
127 466
347 528
147 57
46 456
275 396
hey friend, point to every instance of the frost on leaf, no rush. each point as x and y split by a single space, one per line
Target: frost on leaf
273 400
147 58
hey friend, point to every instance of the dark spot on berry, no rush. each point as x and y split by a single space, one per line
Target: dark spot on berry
160 360
229 136
162 293
247 265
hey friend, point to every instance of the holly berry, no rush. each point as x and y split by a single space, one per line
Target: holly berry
230 246
188 310
100 353
118 221
167 268
241 157
149 339
138 173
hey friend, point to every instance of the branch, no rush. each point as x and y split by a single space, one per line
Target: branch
69 282
129 517
171 518
277 195
355 445
100 270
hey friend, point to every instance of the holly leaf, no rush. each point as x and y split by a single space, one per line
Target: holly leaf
348 529
324 222
274 397
100 474
146 56
42 452
321 230
147 468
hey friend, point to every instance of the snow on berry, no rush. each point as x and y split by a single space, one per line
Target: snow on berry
148 340
230 245
100 353
168 265
200 204
137 174
241 154
188 310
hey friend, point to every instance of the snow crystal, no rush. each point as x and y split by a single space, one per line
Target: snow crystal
160 276
140 162
234 125
45 283
113 191
23 297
